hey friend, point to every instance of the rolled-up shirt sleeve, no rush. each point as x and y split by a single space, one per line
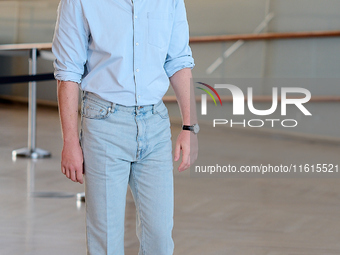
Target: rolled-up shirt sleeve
70 42
179 54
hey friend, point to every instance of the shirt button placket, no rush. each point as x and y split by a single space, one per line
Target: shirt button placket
135 47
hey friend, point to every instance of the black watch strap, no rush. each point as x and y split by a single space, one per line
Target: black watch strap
186 127
194 128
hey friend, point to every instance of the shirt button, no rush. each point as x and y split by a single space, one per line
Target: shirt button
136 17
137 70
138 96
137 43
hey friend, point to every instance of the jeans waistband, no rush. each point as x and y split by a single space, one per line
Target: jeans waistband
118 107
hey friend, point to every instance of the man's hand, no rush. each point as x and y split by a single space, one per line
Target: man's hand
188 143
72 162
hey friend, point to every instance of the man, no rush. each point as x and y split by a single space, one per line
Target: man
122 54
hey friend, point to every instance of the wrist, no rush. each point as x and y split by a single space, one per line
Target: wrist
74 140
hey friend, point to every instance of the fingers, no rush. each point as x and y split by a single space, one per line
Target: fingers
188 144
185 164
67 173
72 162
75 175
79 176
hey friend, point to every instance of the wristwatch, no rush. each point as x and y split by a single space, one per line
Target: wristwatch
193 128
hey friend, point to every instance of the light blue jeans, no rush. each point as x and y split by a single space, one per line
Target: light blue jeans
127 146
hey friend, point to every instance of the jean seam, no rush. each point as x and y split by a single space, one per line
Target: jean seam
106 199
146 145
140 213
88 239
88 235
81 123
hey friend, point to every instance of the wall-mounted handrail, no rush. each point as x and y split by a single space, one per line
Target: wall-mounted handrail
264 36
205 39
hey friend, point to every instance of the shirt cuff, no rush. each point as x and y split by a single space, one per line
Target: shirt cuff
62 73
67 76
177 64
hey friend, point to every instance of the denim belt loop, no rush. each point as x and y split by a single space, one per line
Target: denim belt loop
83 94
112 107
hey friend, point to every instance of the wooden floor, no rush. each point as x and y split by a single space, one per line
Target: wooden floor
220 216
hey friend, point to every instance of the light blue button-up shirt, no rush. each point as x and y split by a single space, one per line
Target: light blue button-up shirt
122 50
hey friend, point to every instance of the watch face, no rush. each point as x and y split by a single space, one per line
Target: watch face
196 128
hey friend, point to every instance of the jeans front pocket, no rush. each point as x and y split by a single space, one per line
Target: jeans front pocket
159 28
91 109
162 111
